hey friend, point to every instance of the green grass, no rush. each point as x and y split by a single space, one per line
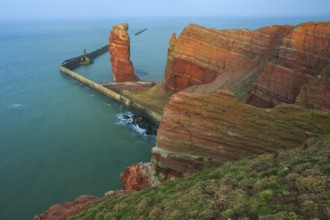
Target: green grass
154 98
295 184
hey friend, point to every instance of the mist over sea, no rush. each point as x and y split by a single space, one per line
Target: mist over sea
60 139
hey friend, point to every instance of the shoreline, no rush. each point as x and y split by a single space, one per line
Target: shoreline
203 130
112 89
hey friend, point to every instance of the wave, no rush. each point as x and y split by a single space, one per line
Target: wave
16 105
126 119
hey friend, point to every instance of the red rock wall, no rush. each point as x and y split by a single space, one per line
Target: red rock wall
201 130
300 56
281 58
200 54
315 95
119 48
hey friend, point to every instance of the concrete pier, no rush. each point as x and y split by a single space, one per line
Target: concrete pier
67 68
76 61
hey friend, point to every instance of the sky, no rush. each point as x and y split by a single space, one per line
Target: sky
16 9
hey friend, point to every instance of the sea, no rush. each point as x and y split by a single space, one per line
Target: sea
58 138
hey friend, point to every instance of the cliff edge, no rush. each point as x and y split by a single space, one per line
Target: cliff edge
292 184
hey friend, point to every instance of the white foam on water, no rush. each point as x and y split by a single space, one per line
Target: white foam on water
16 105
139 130
107 104
126 119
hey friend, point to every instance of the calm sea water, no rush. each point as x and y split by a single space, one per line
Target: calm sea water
59 139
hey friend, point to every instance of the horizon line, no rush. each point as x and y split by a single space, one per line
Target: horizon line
327 16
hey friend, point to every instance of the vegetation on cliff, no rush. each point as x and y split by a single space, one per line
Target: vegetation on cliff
206 129
154 98
202 130
292 184
315 94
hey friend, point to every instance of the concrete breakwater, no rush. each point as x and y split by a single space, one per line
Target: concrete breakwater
151 116
76 61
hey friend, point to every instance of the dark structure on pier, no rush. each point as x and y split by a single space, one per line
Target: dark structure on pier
85 59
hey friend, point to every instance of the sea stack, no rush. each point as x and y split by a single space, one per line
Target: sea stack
119 48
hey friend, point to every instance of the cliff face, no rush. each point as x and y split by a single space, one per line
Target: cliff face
119 47
300 56
201 130
199 54
275 61
315 95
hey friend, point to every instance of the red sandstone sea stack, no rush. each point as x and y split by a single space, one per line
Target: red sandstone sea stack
119 47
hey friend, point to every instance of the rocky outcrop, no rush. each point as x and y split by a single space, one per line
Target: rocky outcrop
119 47
316 93
199 55
139 176
62 212
202 130
274 62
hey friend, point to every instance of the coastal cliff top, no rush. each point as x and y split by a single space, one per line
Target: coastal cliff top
288 185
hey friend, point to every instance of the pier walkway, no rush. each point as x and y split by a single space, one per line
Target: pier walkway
108 89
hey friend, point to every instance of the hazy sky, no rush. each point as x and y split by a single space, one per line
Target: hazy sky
107 8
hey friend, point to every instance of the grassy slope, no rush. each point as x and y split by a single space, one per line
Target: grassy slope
293 185
154 98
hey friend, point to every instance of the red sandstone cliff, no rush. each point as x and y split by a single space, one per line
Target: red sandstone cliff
202 130
315 95
274 62
300 56
119 47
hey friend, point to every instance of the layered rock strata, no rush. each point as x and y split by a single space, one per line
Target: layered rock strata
275 61
199 55
119 48
300 56
316 93
202 130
